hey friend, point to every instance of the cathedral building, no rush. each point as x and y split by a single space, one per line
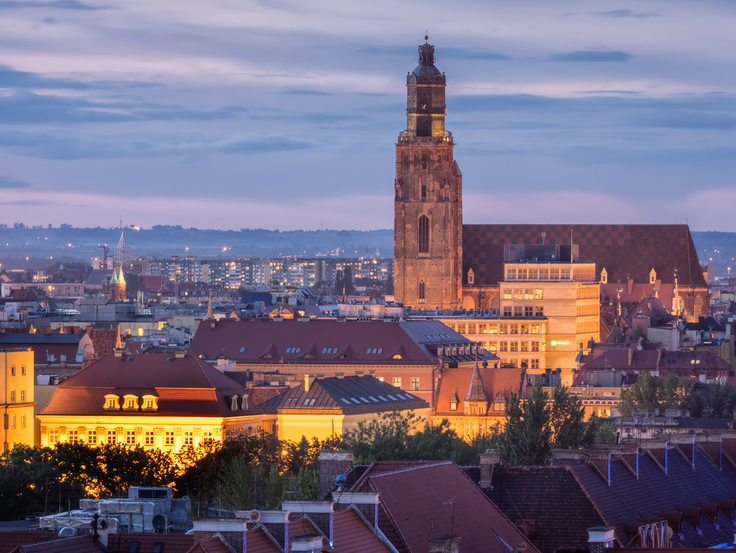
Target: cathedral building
441 263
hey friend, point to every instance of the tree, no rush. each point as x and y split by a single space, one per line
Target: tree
567 421
637 333
527 434
616 335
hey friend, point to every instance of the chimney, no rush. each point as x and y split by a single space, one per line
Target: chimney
180 354
631 355
307 382
320 513
444 544
600 538
331 465
488 461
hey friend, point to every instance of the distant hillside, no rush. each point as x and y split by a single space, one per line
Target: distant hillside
163 241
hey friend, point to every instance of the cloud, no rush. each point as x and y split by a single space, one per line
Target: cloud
12 78
59 4
27 203
591 55
626 13
446 52
306 92
7 182
31 109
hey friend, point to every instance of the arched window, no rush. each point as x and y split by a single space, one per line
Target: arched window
421 289
424 162
424 191
423 234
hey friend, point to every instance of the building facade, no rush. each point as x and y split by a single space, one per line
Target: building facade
16 392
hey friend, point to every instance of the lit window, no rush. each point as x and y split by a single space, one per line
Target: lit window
169 438
54 436
149 404
131 403
528 294
491 346
414 383
535 329
493 329
111 437
517 294
507 294
538 294
111 403
397 381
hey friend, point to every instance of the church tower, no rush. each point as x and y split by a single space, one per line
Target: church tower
428 197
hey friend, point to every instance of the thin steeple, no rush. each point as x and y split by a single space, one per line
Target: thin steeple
476 392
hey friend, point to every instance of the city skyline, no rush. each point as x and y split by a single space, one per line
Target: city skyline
273 115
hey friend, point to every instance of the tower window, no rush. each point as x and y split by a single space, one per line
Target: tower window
424 162
421 289
423 234
424 191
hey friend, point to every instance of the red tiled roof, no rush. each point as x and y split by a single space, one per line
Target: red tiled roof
323 341
625 251
77 544
10 540
457 380
443 494
258 541
351 534
103 341
185 386
259 394
209 545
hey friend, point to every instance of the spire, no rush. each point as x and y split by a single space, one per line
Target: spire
476 392
118 341
114 279
426 52
121 278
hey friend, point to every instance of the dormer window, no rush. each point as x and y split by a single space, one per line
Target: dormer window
112 402
234 403
453 401
130 402
150 403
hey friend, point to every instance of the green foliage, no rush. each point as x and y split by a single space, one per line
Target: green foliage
637 333
616 335
651 393
527 435
567 421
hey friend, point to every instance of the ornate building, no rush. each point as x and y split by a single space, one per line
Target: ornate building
428 196
439 262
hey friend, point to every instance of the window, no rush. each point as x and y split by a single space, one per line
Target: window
518 311
54 436
535 346
513 329
72 436
293 350
131 403
514 346
188 438
12 370
111 437
533 273
503 328
565 273
22 421
528 311
148 403
493 329
397 381
521 273
329 350
12 396
554 273
538 294
92 436
528 294
535 364
524 363
414 383
523 346
510 273
507 294
22 396
421 290
130 437
524 329
539 311
424 162
517 294
424 191
423 234
374 350
492 346
535 329
11 422
169 438
506 310
111 403
543 273
503 346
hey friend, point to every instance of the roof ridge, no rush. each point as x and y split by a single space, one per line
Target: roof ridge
425 464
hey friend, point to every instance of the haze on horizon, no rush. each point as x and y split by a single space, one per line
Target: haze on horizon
283 115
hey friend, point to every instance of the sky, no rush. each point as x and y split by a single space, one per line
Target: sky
233 114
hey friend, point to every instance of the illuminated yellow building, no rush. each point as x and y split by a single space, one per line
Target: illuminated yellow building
16 391
326 407
153 401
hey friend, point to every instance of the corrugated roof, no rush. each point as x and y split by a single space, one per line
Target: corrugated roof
347 394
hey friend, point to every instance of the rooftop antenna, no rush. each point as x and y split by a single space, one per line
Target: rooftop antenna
544 235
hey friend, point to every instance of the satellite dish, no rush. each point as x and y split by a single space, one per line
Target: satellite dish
254 515
159 523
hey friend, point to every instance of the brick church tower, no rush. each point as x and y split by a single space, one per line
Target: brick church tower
428 198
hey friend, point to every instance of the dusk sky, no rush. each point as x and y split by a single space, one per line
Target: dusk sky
234 114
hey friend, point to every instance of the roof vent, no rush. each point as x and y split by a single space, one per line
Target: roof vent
129 360
180 354
169 359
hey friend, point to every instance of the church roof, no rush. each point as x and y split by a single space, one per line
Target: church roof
625 251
